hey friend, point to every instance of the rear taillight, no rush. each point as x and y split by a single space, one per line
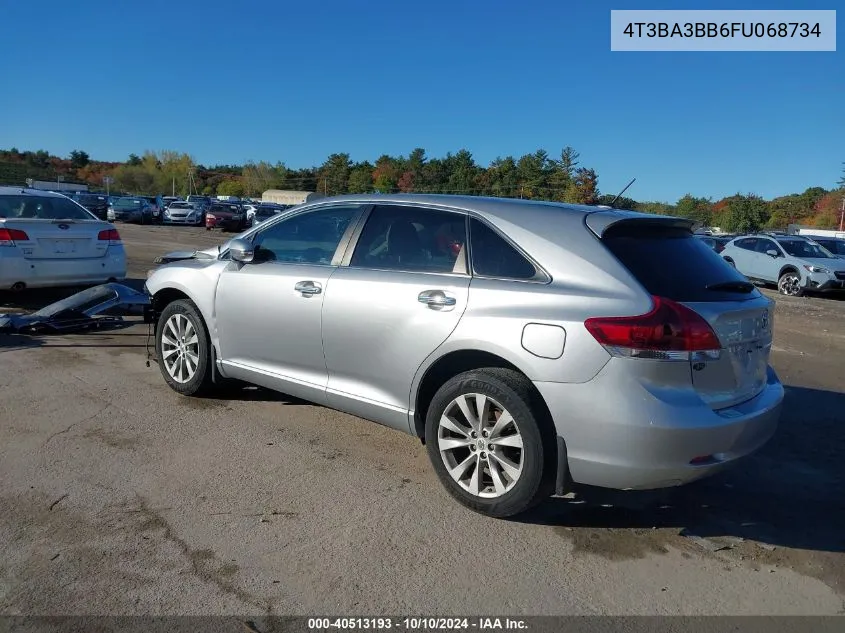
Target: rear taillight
109 235
670 331
8 237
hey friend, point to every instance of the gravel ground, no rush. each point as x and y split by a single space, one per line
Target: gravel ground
121 497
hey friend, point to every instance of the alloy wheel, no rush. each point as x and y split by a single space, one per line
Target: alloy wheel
790 285
481 445
180 348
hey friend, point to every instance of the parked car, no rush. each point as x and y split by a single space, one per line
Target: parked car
98 204
157 205
836 245
202 202
130 209
168 200
529 345
47 239
228 216
717 243
267 210
183 213
794 263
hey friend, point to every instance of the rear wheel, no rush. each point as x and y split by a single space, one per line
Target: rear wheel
490 443
789 284
183 348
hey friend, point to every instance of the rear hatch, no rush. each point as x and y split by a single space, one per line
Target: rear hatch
669 262
60 239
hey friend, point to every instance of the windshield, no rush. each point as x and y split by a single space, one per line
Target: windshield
181 205
43 208
805 249
225 208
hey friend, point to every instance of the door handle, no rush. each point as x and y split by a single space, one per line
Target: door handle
308 288
436 299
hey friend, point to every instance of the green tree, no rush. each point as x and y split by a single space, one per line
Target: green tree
745 213
562 173
463 171
841 181
532 171
334 174
79 159
134 159
231 187
503 176
698 209
361 178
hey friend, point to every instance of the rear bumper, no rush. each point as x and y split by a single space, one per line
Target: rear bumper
46 273
620 435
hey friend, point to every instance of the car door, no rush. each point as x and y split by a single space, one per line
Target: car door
268 311
765 266
743 255
399 295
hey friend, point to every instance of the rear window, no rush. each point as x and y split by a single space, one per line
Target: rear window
670 262
42 208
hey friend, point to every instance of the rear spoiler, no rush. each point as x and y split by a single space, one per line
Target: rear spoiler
600 221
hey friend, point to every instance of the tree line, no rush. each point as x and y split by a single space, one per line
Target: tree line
536 175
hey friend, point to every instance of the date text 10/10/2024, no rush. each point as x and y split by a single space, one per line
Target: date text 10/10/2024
417 624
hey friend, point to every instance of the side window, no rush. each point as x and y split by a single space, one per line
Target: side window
748 244
412 239
492 256
766 245
307 238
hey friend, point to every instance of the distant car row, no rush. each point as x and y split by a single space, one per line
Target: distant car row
794 263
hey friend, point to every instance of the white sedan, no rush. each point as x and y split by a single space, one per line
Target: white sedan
48 240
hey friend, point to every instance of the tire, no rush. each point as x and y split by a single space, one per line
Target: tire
510 391
179 312
789 284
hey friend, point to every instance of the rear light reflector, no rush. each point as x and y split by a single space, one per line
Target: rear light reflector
670 331
109 235
8 237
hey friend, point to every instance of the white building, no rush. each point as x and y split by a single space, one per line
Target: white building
289 197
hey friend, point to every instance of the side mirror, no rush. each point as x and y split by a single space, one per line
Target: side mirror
772 253
241 251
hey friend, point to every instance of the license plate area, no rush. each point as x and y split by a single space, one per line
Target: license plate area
64 247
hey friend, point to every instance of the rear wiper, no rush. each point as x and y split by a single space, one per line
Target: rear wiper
732 286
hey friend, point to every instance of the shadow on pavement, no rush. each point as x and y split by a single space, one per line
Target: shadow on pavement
790 494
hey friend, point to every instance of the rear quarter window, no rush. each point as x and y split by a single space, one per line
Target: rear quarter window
670 262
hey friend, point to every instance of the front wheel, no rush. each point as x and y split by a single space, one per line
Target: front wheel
789 284
490 442
183 348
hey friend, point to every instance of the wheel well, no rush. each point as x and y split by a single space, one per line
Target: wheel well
163 298
444 369
788 269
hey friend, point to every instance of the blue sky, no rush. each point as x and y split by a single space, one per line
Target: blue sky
273 80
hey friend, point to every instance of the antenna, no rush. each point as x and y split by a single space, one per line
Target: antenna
619 195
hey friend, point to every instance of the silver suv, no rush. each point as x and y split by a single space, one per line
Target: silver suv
796 264
529 345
